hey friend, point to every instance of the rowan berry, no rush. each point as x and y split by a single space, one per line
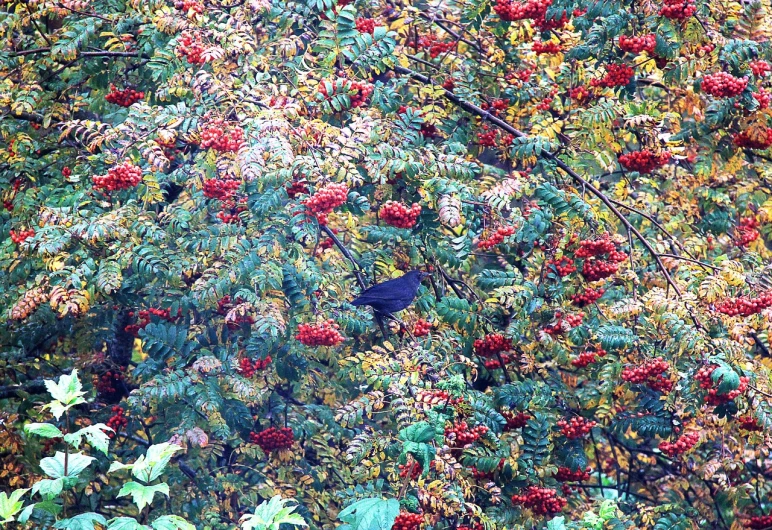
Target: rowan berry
492 344
749 423
273 439
579 93
566 474
399 215
120 177
589 296
588 357
357 91
650 374
249 368
326 199
124 98
755 139
221 188
542 501
546 48
576 427
365 25
713 398
723 85
117 421
563 266
496 237
683 444
760 68
638 44
460 434
644 161
422 328
759 522
322 334
678 10
191 47
616 75
221 136
20 236
515 420
744 306
407 521
414 469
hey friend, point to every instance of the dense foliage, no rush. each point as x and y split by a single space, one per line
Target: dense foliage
193 191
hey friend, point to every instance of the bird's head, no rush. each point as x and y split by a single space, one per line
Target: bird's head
417 276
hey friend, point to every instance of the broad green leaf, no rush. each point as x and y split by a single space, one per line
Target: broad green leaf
83 521
46 430
370 514
126 523
143 495
95 434
54 466
171 522
418 432
67 393
10 506
270 515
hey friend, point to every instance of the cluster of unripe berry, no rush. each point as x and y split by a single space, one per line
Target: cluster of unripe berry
144 319
326 200
19 237
434 45
713 398
749 423
357 91
190 47
124 98
565 474
120 177
365 25
747 229
724 85
685 442
460 434
644 161
638 44
221 136
117 421
220 188
322 334
496 237
273 439
616 75
28 303
546 48
399 215
492 344
757 139
650 374
678 9
588 357
515 420
563 266
576 427
106 383
542 501
407 521
589 296
422 327
745 306
249 368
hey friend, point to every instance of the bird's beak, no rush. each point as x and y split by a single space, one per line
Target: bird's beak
425 275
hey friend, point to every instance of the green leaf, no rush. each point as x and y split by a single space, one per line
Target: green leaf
67 393
126 523
46 430
271 514
370 514
83 521
418 432
558 523
10 506
172 522
95 434
54 466
143 495
726 378
151 465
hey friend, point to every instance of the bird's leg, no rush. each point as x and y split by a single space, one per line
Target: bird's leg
379 319
390 316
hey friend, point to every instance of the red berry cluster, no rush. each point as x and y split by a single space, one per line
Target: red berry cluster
565 474
616 75
749 423
435 45
594 270
475 526
365 25
397 214
536 10
422 327
487 138
229 214
763 98
723 85
595 247
638 44
221 136
190 47
407 521
460 434
576 427
542 501
106 383
515 420
124 98
548 48
745 306
492 344
358 92
494 364
588 357
224 306
759 522
448 84
589 296
495 107
321 334
564 266
298 187
117 421
644 161
680 446
326 200
496 238
273 439
756 141
66 172
713 398
22 235
678 9
189 6
121 177
650 374
249 368
746 230
579 93
545 103
413 468
760 68
220 189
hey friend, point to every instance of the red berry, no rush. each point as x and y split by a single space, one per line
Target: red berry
321 334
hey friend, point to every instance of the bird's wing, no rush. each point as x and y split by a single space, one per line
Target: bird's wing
377 293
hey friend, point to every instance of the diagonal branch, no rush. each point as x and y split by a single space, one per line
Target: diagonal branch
474 109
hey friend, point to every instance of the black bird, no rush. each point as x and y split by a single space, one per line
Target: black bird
392 295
